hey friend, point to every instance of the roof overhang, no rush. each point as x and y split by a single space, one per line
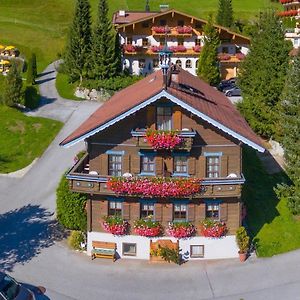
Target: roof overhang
177 101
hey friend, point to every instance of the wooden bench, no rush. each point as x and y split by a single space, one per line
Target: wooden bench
104 250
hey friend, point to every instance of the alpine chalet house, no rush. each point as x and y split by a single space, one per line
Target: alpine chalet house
142 36
163 164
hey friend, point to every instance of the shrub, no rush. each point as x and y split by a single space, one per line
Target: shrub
32 97
242 239
75 239
168 254
70 207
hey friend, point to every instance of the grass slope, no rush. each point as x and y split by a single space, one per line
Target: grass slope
42 26
23 138
273 227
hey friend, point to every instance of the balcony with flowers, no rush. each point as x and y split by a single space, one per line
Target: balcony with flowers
172 31
212 228
289 13
181 230
115 225
164 139
226 57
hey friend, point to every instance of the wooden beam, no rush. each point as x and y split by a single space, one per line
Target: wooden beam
173 13
153 20
133 26
192 20
233 37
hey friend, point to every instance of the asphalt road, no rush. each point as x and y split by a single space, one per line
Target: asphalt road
34 251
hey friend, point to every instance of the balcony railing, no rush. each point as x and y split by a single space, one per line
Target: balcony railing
172 31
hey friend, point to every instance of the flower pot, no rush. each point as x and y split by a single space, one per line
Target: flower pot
243 256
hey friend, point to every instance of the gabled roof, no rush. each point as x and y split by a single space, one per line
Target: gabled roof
185 90
137 17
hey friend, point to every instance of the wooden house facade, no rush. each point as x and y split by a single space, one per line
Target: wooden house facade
211 133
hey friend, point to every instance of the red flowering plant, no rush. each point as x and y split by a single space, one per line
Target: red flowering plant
161 29
163 139
197 48
213 228
184 29
181 230
129 48
147 227
156 48
224 56
155 186
115 225
240 56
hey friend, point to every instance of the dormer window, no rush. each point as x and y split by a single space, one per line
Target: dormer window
162 22
164 117
129 41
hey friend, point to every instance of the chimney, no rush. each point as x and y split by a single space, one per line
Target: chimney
122 13
174 74
164 7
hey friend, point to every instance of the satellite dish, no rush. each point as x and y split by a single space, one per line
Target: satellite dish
127 175
232 175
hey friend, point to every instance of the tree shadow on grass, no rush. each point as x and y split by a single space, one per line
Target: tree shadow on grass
24 232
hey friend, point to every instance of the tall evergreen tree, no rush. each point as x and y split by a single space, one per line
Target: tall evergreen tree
106 61
78 50
13 86
208 65
290 120
225 13
262 75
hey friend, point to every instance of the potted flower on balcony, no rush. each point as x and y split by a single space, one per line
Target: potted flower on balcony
184 29
212 228
129 48
115 225
163 139
242 240
181 230
161 29
240 56
147 227
224 56
197 48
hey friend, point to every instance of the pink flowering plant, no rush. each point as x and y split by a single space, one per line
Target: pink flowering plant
179 48
181 230
197 48
240 56
147 227
161 29
155 186
115 225
213 228
163 139
224 56
184 29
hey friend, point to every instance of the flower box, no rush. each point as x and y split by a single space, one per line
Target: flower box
197 48
240 56
212 228
155 186
159 139
184 29
147 228
179 48
224 56
115 225
181 230
156 48
129 48
161 29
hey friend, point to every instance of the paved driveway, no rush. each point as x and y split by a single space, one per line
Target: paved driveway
33 249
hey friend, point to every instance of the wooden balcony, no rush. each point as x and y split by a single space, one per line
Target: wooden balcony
185 31
187 137
83 180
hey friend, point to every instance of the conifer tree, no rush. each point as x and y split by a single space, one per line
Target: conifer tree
208 65
34 66
13 86
262 75
290 120
78 50
106 61
225 13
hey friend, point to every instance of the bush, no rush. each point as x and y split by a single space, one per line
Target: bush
75 239
242 239
32 97
70 207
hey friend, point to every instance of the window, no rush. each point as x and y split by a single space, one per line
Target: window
198 25
188 64
142 63
197 63
212 211
162 22
155 63
180 212
180 41
178 63
197 251
197 42
129 41
164 117
162 41
129 249
180 164
224 49
115 208
180 23
148 164
114 165
296 43
145 24
145 42
147 209
212 166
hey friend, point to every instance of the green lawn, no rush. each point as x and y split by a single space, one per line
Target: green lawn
23 138
41 26
64 88
273 227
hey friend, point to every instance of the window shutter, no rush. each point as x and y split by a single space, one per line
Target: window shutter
104 164
191 212
177 118
136 164
158 212
126 210
126 163
202 211
224 166
168 213
201 167
192 165
159 165
223 211
151 116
